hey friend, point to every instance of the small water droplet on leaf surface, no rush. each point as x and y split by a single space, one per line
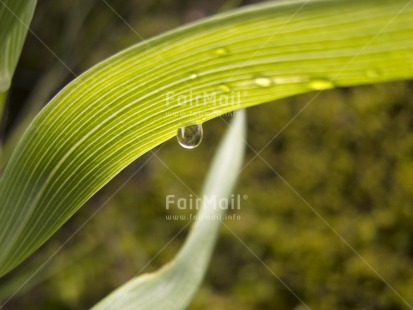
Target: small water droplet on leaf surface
222 51
193 76
320 84
263 81
373 73
225 88
190 136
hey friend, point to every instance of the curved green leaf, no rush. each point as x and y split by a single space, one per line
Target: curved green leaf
177 282
15 18
135 100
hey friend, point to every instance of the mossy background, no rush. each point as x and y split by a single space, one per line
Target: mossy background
342 170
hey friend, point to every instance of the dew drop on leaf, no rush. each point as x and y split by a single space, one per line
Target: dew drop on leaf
290 80
190 136
225 88
320 84
263 81
373 73
193 76
221 51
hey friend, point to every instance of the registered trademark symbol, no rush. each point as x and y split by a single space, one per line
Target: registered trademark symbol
245 196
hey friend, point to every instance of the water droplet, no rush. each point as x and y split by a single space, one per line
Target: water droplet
190 136
290 80
224 88
373 73
193 76
221 51
320 84
263 81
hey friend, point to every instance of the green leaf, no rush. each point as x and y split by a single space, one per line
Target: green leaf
2 103
137 99
15 18
173 286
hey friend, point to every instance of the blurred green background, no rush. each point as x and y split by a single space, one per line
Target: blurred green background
329 196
